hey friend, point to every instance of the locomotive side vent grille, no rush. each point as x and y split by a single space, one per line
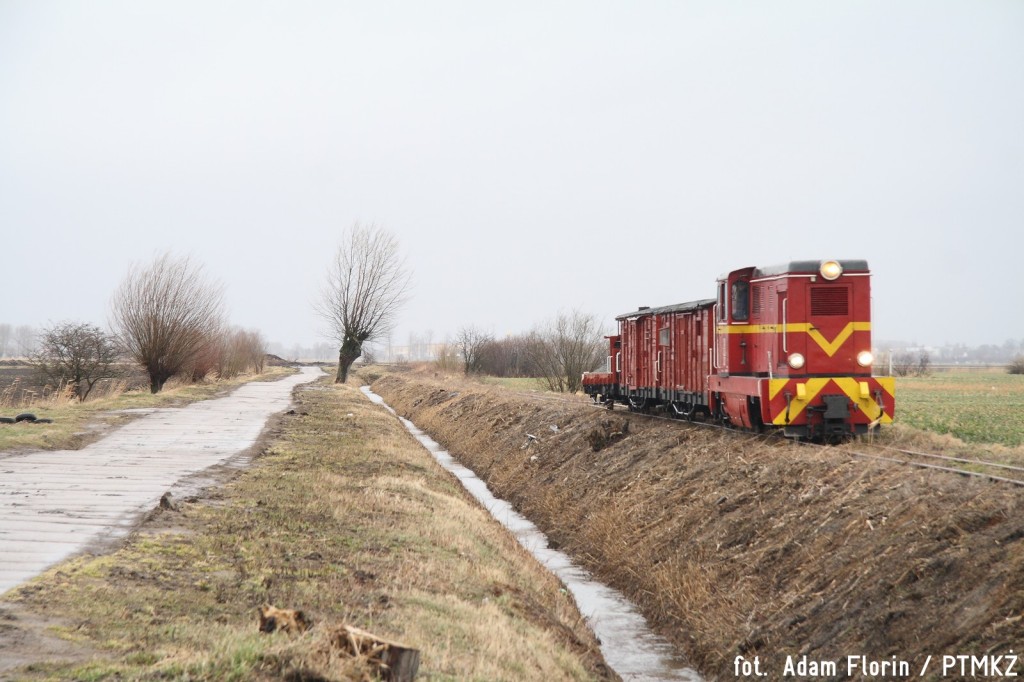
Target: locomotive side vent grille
830 301
758 300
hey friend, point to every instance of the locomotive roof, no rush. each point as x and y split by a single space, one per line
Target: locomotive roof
677 308
809 266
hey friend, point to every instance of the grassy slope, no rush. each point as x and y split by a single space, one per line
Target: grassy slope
736 545
344 516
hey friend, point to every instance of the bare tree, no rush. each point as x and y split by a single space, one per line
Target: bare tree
322 352
365 288
510 357
428 343
471 343
447 356
75 353
25 340
924 363
369 355
240 351
566 347
905 364
1016 365
5 338
166 316
902 364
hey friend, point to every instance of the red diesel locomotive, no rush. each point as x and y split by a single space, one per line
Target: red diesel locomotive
785 347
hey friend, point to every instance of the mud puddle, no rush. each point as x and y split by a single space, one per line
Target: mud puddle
627 643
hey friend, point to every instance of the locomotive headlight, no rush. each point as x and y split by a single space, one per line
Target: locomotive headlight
865 358
796 360
831 269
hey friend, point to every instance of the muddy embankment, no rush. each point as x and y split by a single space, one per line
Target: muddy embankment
734 545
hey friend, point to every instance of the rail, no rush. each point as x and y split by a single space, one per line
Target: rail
913 458
919 459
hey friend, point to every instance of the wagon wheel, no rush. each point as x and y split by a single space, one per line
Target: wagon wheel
637 404
684 410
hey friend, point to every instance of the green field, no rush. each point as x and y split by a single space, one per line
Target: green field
976 407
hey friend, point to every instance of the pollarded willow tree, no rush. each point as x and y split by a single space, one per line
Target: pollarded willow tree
166 315
366 287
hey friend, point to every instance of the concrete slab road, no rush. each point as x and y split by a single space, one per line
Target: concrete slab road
54 504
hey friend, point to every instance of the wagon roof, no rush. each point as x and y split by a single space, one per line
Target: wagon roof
664 310
808 266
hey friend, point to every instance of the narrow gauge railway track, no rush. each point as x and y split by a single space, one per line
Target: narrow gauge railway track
995 471
647 415
964 466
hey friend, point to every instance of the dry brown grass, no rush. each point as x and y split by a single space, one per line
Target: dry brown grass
346 517
16 397
734 544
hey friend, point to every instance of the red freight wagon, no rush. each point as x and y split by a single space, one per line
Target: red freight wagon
661 356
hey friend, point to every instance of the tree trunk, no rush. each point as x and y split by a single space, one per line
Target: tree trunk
157 381
350 350
394 662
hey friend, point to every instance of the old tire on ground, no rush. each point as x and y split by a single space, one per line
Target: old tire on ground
25 417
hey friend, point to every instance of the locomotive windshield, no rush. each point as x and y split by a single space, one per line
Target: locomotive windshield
740 300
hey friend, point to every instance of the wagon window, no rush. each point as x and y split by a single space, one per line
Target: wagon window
740 300
663 337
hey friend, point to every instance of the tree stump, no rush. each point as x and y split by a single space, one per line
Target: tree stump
395 662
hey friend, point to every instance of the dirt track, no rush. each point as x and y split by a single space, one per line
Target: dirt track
341 514
734 545
53 504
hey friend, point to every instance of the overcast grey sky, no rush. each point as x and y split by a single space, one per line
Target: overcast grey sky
530 156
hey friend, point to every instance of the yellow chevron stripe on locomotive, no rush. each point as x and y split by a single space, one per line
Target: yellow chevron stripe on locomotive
872 398
830 347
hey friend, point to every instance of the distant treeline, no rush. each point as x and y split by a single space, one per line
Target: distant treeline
957 353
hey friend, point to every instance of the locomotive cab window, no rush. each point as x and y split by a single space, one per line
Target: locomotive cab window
721 302
740 301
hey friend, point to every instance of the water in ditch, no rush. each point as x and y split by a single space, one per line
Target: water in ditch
627 643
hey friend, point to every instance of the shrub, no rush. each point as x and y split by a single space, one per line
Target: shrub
1016 365
76 355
